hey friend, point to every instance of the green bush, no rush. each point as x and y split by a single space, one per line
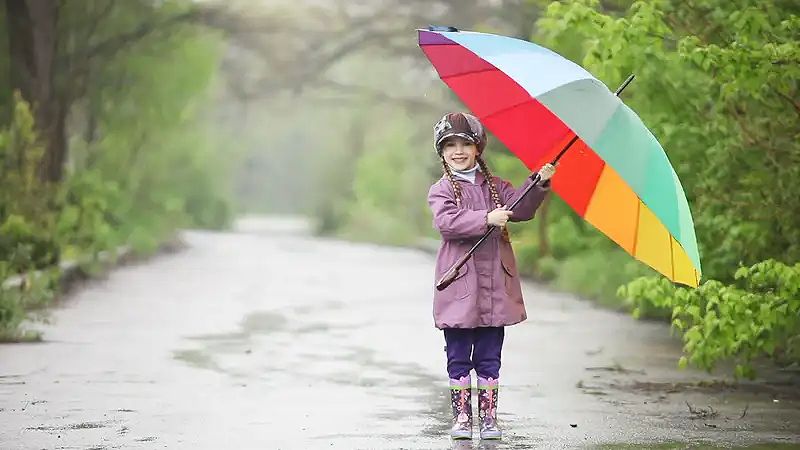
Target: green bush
27 231
16 302
385 201
597 276
735 156
758 315
140 163
92 212
24 247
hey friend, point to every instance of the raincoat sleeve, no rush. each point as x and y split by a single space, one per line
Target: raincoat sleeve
529 204
451 221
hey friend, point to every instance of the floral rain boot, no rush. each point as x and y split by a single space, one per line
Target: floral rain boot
461 401
487 408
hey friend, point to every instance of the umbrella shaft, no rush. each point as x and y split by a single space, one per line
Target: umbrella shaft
575 138
564 150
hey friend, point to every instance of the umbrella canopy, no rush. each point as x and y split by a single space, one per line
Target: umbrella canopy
616 176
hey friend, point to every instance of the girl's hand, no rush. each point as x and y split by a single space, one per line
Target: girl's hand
546 172
499 217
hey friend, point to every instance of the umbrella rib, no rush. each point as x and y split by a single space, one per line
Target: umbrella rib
576 80
594 81
447 77
508 108
636 233
671 255
681 248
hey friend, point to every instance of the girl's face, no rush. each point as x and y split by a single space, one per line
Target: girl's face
459 153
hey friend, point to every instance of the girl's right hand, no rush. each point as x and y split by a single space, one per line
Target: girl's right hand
499 217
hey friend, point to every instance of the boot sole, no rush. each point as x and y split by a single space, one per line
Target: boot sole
460 437
491 437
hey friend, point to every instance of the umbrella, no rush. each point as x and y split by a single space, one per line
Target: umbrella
538 104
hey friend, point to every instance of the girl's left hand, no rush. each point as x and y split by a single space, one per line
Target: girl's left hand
546 172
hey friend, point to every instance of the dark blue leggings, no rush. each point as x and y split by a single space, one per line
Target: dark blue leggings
474 348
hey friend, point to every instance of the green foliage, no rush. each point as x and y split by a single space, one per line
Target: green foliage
758 315
27 238
6 96
717 83
580 273
35 292
174 175
92 211
386 190
373 165
141 163
12 314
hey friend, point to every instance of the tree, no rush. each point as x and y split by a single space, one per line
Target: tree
718 83
55 46
32 37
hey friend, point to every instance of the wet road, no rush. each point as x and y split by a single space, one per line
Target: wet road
268 338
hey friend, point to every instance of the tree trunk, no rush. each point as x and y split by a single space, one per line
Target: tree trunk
32 46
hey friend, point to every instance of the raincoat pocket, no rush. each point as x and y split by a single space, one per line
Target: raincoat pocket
509 268
509 276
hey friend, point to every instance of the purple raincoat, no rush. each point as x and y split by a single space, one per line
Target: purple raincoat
487 291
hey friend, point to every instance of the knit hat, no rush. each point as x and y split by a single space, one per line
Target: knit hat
462 125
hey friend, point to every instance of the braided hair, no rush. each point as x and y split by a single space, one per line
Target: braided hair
449 174
489 180
492 191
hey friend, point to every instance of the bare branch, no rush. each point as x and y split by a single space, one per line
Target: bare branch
117 43
793 102
375 94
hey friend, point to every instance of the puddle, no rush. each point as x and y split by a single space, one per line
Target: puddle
197 358
263 322
73 426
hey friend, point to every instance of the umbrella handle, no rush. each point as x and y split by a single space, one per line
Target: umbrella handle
452 272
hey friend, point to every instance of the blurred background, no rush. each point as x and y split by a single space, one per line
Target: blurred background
125 121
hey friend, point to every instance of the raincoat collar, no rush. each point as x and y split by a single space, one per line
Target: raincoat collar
469 174
479 178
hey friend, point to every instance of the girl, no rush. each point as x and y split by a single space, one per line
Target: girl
486 296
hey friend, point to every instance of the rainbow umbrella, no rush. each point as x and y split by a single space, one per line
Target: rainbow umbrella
616 175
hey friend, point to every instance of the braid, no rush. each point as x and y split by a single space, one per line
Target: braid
488 176
493 191
456 186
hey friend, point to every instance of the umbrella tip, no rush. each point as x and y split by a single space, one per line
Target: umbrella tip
441 28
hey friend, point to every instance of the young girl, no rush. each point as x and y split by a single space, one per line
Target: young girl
486 295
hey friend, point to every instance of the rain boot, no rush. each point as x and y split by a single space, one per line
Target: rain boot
487 408
461 401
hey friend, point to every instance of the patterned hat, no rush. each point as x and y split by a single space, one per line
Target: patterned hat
462 125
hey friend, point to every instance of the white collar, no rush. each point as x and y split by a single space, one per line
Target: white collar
468 174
